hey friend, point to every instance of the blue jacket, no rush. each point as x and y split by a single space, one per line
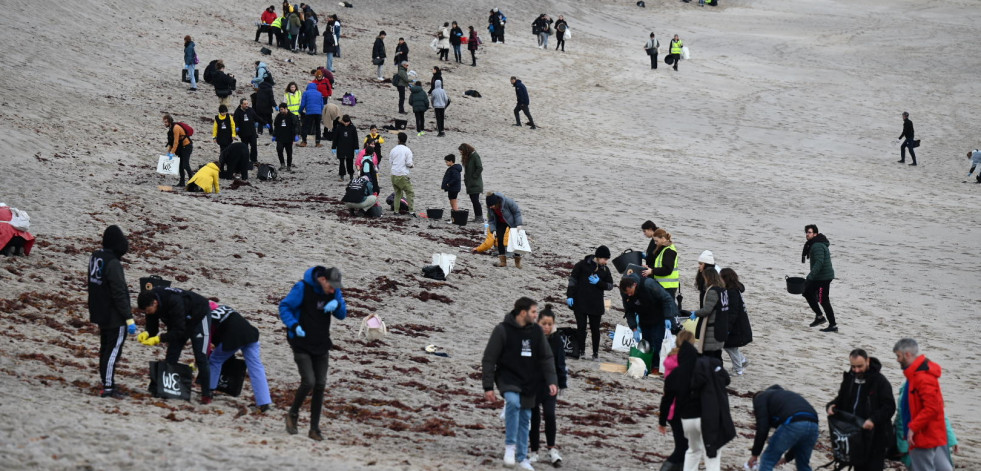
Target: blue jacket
312 101
189 53
522 92
260 74
289 307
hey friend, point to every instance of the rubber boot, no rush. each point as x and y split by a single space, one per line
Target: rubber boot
669 466
503 261
517 261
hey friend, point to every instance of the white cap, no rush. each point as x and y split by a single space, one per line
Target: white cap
707 258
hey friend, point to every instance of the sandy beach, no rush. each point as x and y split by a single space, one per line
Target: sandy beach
786 114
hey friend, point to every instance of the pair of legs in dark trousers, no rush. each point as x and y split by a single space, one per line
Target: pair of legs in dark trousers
546 402
444 54
560 41
200 337
477 212
457 54
677 60
517 119
185 166
311 125
111 340
680 442
654 335
653 60
288 147
313 377
902 151
264 29
473 57
420 120
817 292
401 90
347 160
253 150
440 114
594 329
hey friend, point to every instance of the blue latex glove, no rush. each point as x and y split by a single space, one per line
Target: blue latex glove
333 151
331 306
236 129
637 335
569 302
268 126
274 138
667 325
130 327
297 138
171 155
693 316
299 331
593 279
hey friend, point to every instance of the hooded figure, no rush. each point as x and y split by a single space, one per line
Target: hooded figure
109 304
262 75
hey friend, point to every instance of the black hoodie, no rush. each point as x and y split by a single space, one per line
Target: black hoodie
109 303
869 397
774 407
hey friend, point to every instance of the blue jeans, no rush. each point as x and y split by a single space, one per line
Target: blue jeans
330 61
190 75
797 437
253 364
517 424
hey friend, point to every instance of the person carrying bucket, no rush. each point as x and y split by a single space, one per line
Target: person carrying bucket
818 284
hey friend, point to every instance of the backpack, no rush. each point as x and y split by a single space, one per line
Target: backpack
849 441
570 341
186 127
403 206
349 99
373 327
396 80
267 172
209 71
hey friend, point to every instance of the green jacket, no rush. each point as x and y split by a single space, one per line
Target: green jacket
403 77
418 99
472 172
821 268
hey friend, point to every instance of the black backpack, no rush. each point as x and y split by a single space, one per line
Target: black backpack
209 71
267 172
849 441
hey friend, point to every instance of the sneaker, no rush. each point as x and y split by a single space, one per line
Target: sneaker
745 363
421 133
596 357
901 161
554 457
441 134
205 400
830 328
534 127
739 372
526 465
818 321
264 408
282 167
316 435
533 457
518 125
291 424
509 455
112 393
192 89
341 178
912 164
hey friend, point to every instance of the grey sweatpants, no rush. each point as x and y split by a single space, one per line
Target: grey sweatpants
930 459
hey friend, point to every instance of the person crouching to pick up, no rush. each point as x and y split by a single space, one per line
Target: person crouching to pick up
231 334
589 280
975 157
504 213
306 312
796 424
647 305
186 316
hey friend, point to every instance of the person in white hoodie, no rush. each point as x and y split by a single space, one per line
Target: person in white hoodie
440 101
401 158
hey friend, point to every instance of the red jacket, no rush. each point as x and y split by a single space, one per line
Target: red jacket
926 404
323 86
268 17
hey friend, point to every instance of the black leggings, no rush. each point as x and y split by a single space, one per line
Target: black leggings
440 113
594 329
473 56
475 199
264 29
288 146
559 41
547 403
349 161
184 153
819 292
401 90
420 120
680 442
502 227
313 377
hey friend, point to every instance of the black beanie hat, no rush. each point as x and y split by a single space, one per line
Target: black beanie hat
602 252
493 200
114 240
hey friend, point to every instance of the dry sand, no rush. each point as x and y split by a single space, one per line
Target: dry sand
784 116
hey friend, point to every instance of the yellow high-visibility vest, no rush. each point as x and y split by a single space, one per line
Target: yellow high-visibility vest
676 46
672 280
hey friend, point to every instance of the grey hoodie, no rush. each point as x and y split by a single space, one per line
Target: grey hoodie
438 96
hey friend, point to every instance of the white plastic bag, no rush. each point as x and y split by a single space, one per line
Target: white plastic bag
685 53
623 339
568 34
168 165
19 219
373 327
637 368
666 347
518 243
445 261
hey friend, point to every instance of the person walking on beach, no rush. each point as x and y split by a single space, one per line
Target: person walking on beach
190 62
419 102
740 330
503 213
925 427
521 93
109 305
179 145
796 424
866 393
223 128
676 47
473 179
589 280
473 43
440 101
817 287
378 54
545 402
646 306
909 142
306 312
247 121
345 145
519 360
284 131
560 27
651 46
185 314
401 158
233 333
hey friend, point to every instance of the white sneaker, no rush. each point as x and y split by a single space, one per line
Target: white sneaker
526 465
533 457
555 457
509 455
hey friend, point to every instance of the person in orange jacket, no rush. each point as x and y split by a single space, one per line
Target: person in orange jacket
925 428
206 179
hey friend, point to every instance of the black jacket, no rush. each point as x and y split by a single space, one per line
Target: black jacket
231 330
246 121
401 53
432 82
650 303
109 303
345 139
709 383
907 129
456 36
179 310
265 101
677 387
284 127
329 44
518 359
740 331
452 178
775 406
558 352
869 398
235 158
588 298
224 84
378 50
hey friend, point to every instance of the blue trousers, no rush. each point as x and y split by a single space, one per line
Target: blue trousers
253 364
517 425
798 438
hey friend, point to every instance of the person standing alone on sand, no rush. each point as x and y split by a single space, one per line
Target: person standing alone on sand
401 158
378 54
817 288
523 101
518 359
676 48
651 47
109 306
560 27
190 61
909 143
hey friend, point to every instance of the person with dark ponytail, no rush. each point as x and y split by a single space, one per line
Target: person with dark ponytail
545 401
740 331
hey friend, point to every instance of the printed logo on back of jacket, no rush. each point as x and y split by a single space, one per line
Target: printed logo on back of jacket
95 271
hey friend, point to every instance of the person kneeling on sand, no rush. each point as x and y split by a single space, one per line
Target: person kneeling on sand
503 213
306 312
235 160
206 179
359 195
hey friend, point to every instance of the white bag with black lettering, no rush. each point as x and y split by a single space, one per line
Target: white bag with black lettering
518 243
168 165
623 339
445 261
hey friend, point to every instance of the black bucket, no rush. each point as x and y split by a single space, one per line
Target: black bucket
628 257
795 285
434 213
460 217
